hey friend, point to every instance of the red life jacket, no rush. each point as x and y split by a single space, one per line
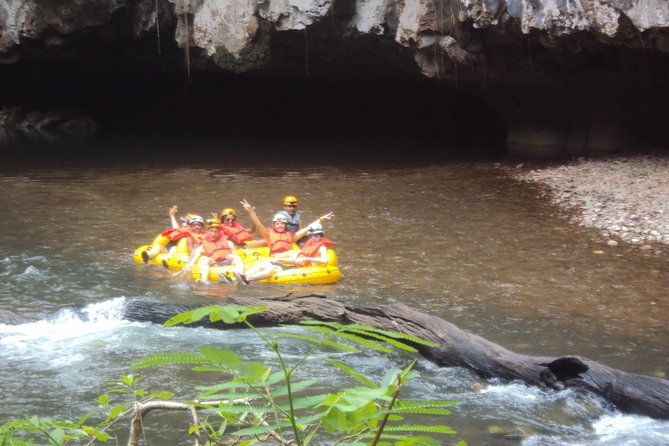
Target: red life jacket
279 241
216 250
237 233
176 234
197 238
313 245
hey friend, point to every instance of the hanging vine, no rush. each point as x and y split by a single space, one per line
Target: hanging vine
185 10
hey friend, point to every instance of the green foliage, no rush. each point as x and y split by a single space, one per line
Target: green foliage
251 403
24 431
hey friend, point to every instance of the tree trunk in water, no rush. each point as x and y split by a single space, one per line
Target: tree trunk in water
629 392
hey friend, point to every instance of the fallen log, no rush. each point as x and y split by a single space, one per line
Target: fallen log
628 392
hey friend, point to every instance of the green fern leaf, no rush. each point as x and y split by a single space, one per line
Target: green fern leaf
221 356
405 440
419 404
331 325
423 411
364 328
394 335
419 428
384 338
305 402
294 387
170 359
366 342
349 370
318 341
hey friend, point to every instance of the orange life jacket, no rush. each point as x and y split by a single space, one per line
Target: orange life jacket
313 245
197 238
179 233
237 233
279 241
176 234
216 250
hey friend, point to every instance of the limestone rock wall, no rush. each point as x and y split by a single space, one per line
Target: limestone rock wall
232 24
456 40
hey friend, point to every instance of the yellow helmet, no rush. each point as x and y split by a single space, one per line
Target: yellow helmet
227 211
289 200
213 223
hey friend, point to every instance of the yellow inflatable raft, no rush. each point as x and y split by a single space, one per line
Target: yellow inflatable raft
177 256
315 274
179 249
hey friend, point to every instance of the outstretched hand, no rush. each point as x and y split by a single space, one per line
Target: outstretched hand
173 210
247 206
327 217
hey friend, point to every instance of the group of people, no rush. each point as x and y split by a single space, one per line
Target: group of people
214 241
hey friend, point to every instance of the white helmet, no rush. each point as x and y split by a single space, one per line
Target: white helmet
315 228
280 217
196 219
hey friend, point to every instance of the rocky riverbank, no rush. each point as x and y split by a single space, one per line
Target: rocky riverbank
626 197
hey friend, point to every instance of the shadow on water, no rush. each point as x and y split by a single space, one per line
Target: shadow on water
149 153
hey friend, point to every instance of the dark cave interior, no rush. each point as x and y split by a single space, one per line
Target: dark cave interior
341 93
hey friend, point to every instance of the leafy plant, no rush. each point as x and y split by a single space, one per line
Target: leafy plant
21 432
252 402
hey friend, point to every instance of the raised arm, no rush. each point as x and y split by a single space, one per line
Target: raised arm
302 232
254 218
173 212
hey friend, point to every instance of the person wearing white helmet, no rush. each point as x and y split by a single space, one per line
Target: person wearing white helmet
279 240
194 231
312 252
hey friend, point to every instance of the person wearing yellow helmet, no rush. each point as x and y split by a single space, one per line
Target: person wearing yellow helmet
239 234
216 248
292 215
168 239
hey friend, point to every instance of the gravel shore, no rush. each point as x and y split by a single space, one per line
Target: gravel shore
626 197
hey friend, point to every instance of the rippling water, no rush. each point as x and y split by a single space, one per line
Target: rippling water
455 239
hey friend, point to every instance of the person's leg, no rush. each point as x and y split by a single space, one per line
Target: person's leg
152 252
204 263
239 265
267 270
256 267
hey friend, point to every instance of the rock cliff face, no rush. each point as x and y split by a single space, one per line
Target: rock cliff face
572 76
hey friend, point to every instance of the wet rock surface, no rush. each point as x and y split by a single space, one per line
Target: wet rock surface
626 197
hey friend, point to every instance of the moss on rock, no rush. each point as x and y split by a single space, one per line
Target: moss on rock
253 57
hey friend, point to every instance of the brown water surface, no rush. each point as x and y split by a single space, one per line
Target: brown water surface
456 239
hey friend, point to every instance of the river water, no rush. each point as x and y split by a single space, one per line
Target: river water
453 238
